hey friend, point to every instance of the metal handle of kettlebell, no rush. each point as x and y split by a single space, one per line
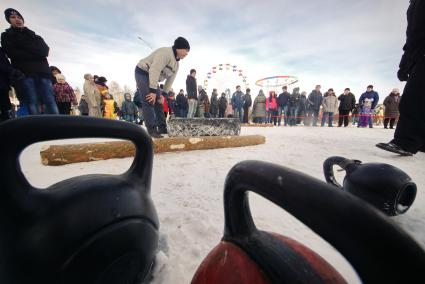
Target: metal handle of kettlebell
376 247
19 133
328 168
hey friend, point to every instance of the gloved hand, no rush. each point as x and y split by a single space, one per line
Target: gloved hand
402 75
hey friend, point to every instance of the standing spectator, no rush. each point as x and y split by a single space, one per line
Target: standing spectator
391 104
301 109
330 105
204 103
367 102
347 104
64 95
314 101
271 107
109 107
238 103
222 105
28 53
283 99
247 104
409 136
129 109
91 96
214 104
259 111
293 105
162 64
54 71
192 93
182 105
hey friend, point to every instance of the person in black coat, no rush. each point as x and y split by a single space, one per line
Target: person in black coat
222 105
282 101
192 93
182 106
28 53
247 104
409 136
347 104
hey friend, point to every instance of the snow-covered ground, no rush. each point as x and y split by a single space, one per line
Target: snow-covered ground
187 189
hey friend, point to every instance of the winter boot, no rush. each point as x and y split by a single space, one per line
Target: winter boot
153 132
391 147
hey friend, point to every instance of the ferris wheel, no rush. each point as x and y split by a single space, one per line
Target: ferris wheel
223 76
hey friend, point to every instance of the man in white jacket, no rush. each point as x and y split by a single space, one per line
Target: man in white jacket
160 65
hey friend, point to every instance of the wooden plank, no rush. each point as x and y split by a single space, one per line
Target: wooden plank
56 155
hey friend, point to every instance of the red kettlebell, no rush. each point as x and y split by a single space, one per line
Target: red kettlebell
378 250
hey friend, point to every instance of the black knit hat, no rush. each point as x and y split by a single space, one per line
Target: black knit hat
181 43
9 11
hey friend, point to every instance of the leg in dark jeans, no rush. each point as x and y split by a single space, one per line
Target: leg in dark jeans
46 96
410 130
149 111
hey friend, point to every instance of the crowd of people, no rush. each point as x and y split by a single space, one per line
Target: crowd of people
42 89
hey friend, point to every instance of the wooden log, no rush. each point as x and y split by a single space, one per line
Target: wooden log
56 155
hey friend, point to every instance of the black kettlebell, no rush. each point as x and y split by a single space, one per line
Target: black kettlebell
94 228
378 250
384 186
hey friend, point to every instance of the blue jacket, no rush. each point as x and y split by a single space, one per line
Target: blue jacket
369 95
238 99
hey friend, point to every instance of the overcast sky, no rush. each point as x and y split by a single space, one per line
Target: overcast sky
335 43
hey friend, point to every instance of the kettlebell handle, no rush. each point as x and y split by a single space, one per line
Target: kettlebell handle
339 161
375 247
19 133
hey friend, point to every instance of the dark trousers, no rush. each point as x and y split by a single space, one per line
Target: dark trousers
391 121
221 112
5 105
245 114
64 108
410 131
152 114
344 116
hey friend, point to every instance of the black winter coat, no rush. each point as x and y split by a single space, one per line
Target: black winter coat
414 49
27 51
247 101
283 99
181 102
222 103
214 104
347 102
191 89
